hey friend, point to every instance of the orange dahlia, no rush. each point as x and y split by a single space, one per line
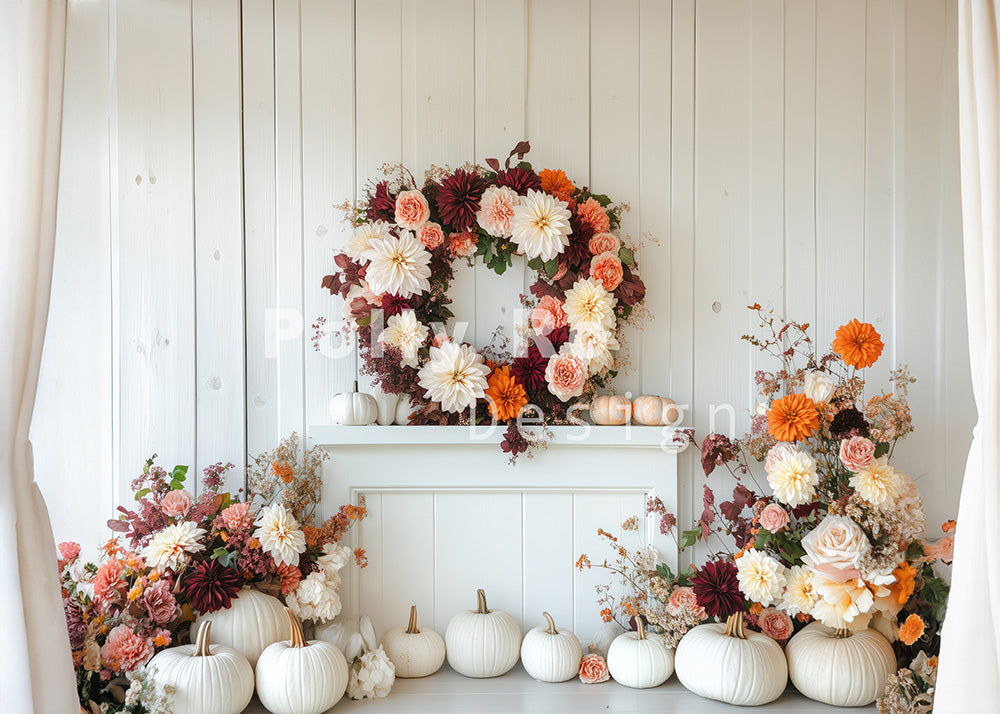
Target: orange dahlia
858 344
902 589
506 397
556 183
911 630
792 418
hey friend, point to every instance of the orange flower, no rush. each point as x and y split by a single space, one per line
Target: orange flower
792 418
911 630
858 344
312 535
583 562
360 558
902 589
949 526
756 608
282 470
505 396
607 615
556 183
356 513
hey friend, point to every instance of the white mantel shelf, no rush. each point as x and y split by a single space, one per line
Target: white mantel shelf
647 437
447 692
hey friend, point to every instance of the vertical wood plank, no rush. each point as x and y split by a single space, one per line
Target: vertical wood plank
407 559
218 197
370 582
155 213
548 558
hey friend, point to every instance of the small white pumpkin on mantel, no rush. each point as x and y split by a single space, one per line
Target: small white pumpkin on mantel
647 410
640 659
207 679
415 651
610 410
404 410
253 621
386 403
482 643
731 664
837 667
550 653
354 408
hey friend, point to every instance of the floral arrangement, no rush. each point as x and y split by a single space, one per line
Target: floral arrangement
832 532
395 273
184 555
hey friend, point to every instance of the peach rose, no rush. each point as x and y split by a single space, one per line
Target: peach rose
566 376
412 210
603 243
431 235
176 504
608 269
857 453
462 244
683 599
836 548
548 315
774 518
775 623
594 214
593 669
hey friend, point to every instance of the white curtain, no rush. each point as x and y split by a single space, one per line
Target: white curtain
36 669
969 676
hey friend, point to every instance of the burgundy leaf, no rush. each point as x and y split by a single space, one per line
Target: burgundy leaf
493 164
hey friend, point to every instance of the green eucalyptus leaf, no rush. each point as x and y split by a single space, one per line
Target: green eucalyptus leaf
626 256
881 449
536 263
552 267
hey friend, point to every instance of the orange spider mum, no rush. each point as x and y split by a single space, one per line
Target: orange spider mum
792 418
902 589
556 183
858 344
911 630
505 396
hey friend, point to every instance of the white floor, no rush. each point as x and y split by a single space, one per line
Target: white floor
447 691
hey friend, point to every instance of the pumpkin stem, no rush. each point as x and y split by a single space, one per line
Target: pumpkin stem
551 624
202 641
841 633
481 608
735 627
355 386
412 629
293 623
640 628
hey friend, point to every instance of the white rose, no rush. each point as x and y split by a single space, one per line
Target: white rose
836 548
819 386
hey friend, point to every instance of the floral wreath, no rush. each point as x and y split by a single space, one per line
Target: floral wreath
396 269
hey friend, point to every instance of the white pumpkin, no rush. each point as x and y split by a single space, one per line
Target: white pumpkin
640 659
671 414
731 664
404 410
837 667
206 680
610 410
550 653
299 677
253 621
647 410
386 404
354 408
415 651
482 642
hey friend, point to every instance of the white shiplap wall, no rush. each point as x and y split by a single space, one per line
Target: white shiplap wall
799 153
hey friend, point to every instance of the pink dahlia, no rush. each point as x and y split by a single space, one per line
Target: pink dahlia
458 199
160 602
125 650
431 235
176 504
496 210
594 214
290 577
462 244
565 375
237 516
548 315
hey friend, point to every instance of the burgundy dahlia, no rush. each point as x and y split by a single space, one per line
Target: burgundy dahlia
393 304
382 204
74 623
210 586
458 199
717 589
519 180
847 423
530 369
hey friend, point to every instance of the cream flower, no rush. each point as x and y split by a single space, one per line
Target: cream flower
878 484
496 209
316 597
540 225
910 507
361 240
172 547
398 265
589 306
842 604
595 348
280 534
407 333
455 376
335 558
799 595
761 577
371 676
779 451
819 386
836 548
793 478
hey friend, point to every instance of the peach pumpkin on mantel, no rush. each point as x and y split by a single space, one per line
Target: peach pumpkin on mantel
610 410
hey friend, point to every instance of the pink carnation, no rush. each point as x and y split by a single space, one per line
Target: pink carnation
775 623
777 454
290 577
69 550
774 518
237 516
603 243
176 504
593 213
462 244
109 582
125 650
548 315
593 669
857 453
683 599
160 602
431 235
496 209
566 376
412 210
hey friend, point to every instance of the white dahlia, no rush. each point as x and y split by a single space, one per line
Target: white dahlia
398 266
540 225
455 376
496 209
761 577
589 306
879 484
361 240
172 547
280 534
407 333
595 348
799 595
794 478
